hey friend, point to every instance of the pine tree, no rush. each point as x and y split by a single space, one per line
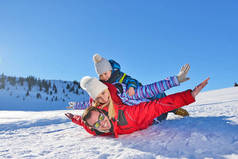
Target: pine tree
21 81
55 88
75 82
71 89
2 82
12 80
38 95
31 81
68 86
40 85
45 86
29 86
49 84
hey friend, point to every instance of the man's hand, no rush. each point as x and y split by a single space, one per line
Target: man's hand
131 91
69 115
199 87
183 73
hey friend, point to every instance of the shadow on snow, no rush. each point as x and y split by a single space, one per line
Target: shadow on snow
34 123
197 137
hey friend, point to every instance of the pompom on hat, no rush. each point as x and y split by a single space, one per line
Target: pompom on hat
93 86
101 64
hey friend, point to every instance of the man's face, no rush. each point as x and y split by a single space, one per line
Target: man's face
99 121
105 76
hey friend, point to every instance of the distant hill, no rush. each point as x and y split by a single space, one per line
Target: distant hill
30 93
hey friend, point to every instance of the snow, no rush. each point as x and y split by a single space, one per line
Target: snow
211 131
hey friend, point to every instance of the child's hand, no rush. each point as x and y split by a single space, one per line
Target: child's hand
69 115
199 87
131 91
182 76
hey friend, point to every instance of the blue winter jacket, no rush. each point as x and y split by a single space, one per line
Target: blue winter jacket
120 77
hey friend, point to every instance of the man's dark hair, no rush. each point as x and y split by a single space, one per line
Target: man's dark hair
88 112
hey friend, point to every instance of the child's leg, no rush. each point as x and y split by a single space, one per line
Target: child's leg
79 105
160 118
164 116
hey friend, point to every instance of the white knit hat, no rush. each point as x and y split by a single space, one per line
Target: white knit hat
101 65
93 86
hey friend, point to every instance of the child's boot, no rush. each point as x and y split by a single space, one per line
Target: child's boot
182 112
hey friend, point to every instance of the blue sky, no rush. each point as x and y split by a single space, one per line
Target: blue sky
150 39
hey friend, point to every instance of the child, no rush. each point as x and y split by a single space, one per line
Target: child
110 71
142 93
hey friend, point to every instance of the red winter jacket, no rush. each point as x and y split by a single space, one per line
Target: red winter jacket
133 118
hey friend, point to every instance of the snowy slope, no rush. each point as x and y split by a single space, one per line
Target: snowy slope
211 131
